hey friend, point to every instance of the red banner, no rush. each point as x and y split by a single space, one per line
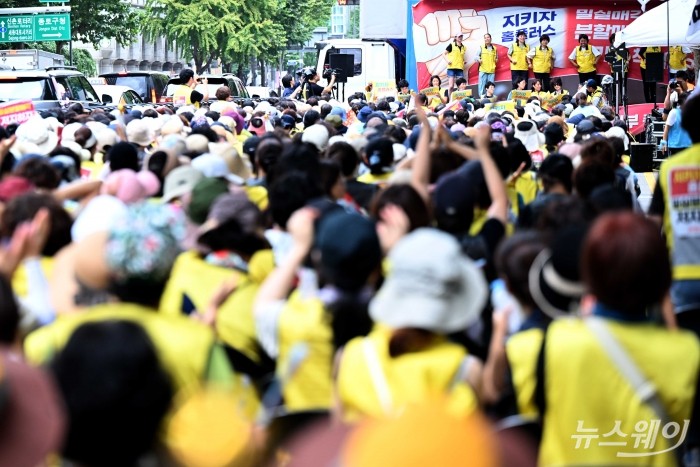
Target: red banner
637 114
16 112
436 23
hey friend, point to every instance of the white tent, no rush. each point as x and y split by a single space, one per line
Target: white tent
650 29
694 29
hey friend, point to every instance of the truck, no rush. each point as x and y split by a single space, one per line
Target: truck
380 52
373 60
29 59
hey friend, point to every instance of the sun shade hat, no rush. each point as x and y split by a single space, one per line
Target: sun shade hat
555 278
180 181
431 285
526 131
35 131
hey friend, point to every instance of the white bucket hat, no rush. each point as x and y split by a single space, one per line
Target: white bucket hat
431 286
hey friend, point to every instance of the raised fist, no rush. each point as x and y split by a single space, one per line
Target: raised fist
436 30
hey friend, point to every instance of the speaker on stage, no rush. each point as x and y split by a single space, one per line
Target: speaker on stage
642 157
655 67
345 63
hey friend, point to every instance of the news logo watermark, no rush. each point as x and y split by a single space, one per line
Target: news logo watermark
635 444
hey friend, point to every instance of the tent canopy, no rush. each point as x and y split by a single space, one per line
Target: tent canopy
652 28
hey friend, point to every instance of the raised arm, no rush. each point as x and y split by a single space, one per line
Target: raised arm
420 175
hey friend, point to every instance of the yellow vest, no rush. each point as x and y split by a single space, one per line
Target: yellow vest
519 54
525 188
542 61
194 277
380 179
488 59
585 390
456 57
411 378
257 195
599 94
681 222
235 323
522 350
643 57
181 96
305 341
585 59
19 280
183 345
677 58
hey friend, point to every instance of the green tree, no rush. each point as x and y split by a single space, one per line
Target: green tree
93 20
354 26
210 29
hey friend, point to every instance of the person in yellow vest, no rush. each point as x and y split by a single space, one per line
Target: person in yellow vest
585 58
487 58
541 60
303 328
596 96
185 93
676 60
590 374
124 270
649 83
677 176
518 58
456 56
432 290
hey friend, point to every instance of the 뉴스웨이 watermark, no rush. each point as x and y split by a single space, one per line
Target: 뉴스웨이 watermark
644 437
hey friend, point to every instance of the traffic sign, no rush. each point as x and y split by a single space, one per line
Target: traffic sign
35 28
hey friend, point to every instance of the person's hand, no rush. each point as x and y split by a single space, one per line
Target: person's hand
13 253
301 227
40 227
512 178
5 146
500 320
209 314
482 137
392 226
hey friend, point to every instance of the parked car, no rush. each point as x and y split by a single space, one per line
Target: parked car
150 85
238 89
118 95
48 88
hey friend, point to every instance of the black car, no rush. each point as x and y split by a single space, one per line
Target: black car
48 88
150 85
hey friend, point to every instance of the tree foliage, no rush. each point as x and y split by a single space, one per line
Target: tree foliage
233 30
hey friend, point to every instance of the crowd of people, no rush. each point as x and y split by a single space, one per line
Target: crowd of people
347 283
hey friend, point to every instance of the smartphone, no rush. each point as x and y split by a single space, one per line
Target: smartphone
497 136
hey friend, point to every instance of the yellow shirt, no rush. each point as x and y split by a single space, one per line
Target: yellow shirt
411 378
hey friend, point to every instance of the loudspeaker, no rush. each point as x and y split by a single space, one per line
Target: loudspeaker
345 63
642 157
655 67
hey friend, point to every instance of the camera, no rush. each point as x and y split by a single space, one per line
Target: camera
327 73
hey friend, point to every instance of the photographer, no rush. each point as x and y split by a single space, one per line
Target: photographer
185 93
310 87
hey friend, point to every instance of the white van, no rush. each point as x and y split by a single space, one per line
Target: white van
373 60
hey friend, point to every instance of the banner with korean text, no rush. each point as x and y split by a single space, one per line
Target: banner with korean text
435 23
